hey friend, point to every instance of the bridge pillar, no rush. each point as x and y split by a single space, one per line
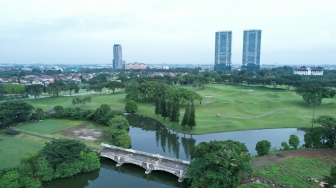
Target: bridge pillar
120 160
148 166
180 174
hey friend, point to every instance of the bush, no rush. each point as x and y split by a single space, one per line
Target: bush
294 141
263 147
285 146
131 106
331 179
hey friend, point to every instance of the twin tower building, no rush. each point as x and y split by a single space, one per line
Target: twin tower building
251 50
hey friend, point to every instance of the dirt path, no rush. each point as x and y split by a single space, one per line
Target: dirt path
261 161
36 135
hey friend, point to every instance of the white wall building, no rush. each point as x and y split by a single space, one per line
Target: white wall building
308 71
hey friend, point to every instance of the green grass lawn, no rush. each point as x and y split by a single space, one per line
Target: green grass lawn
239 108
295 171
48 126
12 148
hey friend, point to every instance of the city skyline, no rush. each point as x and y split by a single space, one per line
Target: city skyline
168 32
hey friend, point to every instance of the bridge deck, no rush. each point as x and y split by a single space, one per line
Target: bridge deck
145 158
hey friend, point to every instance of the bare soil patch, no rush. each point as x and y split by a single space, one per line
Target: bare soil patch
261 161
82 132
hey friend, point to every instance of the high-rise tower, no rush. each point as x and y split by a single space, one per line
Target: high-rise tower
223 50
251 50
117 57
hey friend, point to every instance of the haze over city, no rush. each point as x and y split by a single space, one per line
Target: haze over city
168 32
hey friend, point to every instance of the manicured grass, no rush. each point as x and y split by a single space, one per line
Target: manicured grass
48 126
116 101
295 171
239 108
14 147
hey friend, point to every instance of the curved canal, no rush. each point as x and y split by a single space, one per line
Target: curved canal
151 136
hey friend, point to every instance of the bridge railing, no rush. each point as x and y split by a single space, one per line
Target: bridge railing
145 153
135 161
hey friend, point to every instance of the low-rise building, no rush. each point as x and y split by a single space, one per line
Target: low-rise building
315 71
135 66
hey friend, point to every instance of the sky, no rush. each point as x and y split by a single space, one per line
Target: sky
164 31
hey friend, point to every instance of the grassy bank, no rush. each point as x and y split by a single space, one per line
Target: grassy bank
14 147
294 168
238 108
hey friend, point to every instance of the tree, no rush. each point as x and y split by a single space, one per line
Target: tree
113 85
10 178
157 105
175 114
131 106
315 138
117 131
192 117
55 88
329 126
119 122
12 112
72 86
331 179
218 164
59 111
35 90
163 108
263 147
14 89
62 150
38 115
313 93
294 141
285 146
186 116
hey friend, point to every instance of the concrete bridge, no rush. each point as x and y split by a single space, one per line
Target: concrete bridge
148 161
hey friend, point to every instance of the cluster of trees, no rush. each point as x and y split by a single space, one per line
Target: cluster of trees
36 90
314 92
59 158
82 101
14 112
131 106
263 147
323 136
101 81
150 90
167 108
218 164
117 132
189 117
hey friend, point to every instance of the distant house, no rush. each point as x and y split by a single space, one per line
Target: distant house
136 66
316 71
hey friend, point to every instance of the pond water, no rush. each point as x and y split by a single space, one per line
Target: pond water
151 136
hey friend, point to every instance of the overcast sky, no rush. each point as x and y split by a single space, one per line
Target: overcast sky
164 31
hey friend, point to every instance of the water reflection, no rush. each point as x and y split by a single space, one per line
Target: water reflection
151 136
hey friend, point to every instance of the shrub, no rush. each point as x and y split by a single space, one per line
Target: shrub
131 106
331 179
294 141
263 147
285 146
